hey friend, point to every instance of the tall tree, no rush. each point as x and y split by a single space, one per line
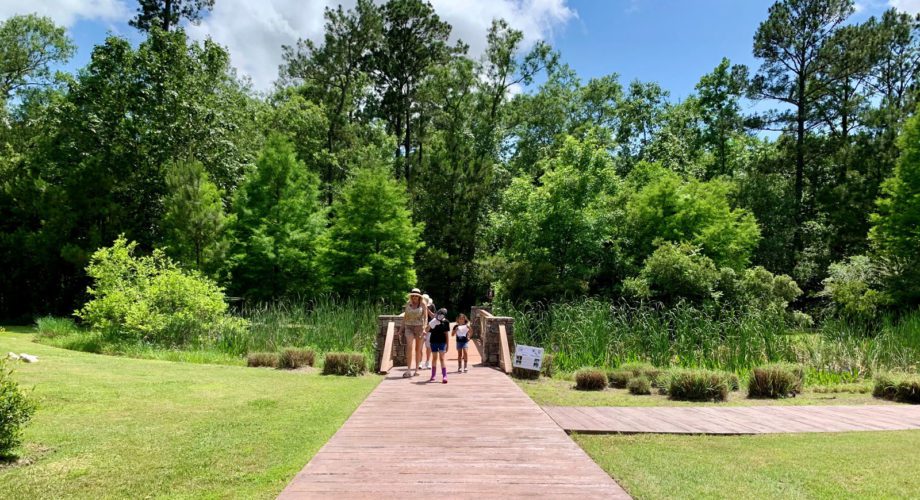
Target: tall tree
279 222
29 45
370 248
792 44
194 219
719 96
414 40
166 14
895 230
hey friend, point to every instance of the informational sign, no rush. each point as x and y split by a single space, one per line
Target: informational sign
527 357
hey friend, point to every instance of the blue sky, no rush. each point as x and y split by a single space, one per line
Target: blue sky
672 42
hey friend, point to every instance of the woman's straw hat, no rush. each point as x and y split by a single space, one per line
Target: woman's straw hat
415 291
426 298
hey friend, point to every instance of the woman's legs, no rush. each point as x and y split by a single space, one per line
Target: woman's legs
418 351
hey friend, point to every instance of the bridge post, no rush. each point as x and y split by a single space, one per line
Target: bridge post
398 346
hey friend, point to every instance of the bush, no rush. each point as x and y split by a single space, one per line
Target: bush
647 370
345 363
293 357
619 378
590 379
901 387
640 386
151 299
15 411
698 385
257 359
855 290
51 327
778 380
734 383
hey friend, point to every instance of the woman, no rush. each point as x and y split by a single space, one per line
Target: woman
415 317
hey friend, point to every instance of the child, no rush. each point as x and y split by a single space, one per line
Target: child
438 328
462 331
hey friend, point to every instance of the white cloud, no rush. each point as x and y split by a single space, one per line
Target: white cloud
912 6
67 12
255 31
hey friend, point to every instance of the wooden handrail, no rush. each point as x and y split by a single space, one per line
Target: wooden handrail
386 361
503 346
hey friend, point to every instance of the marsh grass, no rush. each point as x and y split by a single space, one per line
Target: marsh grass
55 327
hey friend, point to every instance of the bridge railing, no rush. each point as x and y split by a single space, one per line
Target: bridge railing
495 333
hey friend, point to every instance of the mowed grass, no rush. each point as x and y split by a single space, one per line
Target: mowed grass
845 465
128 428
557 392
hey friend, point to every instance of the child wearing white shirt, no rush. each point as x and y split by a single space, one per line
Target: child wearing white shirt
463 334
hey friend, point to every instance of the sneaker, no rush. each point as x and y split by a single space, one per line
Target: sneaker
466 370
459 370
407 374
443 380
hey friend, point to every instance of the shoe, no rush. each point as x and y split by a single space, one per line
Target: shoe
407 374
431 379
459 370
443 380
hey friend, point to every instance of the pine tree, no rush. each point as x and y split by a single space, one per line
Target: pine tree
279 221
371 245
194 220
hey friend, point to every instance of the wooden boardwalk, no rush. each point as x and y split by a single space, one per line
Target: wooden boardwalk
735 420
477 436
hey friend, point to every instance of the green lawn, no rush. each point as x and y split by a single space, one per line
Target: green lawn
555 392
847 465
119 427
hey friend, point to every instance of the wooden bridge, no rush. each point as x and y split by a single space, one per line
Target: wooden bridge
478 436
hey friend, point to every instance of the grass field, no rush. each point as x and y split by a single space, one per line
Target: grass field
847 465
556 392
119 427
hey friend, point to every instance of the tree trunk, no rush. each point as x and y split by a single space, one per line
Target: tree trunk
801 106
167 14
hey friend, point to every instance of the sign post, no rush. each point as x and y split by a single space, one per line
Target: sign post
527 357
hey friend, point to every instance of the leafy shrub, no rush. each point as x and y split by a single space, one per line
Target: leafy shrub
640 386
16 410
345 363
619 378
50 327
854 290
293 357
590 379
901 387
151 299
698 385
676 271
257 359
777 380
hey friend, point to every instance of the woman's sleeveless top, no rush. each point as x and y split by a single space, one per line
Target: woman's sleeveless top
415 316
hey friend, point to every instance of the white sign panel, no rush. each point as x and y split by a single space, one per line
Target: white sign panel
527 357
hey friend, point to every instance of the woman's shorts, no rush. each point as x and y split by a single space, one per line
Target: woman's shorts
438 347
414 332
462 344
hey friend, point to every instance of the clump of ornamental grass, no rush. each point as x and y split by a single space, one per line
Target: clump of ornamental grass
292 358
619 378
51 327
776 380
590 379
894 386
640 386
351 364
698 385
262 359
548 368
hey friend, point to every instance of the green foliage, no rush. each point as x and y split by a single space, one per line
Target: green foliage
901 387
54 327
698 385
590 379
350 364
165 14
854 290
279 222
194 219
619 379
778 380
29 46
640 386
676 271
16 410
666 208
260 359
370 247
150 299
292 357
896 226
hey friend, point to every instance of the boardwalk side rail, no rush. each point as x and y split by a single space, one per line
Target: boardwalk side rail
497 336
